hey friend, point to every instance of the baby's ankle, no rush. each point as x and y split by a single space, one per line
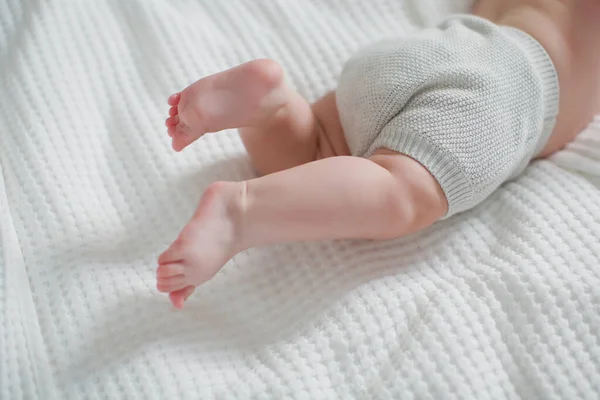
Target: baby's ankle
232 199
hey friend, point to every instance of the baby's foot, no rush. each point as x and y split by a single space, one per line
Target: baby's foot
204 245
239 97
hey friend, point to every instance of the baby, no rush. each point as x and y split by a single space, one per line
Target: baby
419 129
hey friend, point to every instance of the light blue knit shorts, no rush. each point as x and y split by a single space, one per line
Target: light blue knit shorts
471 101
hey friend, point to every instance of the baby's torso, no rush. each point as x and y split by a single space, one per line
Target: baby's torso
569 30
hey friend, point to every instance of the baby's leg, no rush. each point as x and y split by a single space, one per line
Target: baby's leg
278 127
387 196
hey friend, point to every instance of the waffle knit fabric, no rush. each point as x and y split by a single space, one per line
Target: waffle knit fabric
500 302
471 101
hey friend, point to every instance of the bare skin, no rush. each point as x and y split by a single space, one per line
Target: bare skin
311 188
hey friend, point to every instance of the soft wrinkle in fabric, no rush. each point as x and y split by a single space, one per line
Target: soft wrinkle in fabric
500 302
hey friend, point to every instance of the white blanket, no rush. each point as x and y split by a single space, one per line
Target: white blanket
498 303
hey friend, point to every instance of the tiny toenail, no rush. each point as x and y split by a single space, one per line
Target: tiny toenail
174 98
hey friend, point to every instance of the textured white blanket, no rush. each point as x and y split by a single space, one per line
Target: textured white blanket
502 302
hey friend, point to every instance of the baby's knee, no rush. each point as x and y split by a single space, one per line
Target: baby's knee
331 141
420 198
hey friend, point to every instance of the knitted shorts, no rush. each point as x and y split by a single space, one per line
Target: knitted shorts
472 101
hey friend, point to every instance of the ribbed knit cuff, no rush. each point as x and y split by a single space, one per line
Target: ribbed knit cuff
454 183
544 67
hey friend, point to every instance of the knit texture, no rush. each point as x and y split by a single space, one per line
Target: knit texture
501 302
471 101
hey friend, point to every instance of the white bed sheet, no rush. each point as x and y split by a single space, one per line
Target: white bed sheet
501 302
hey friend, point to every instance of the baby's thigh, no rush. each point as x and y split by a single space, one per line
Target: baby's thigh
331 141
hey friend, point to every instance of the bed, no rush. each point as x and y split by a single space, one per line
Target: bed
501 302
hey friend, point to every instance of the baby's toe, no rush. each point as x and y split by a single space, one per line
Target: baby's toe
180 142
173 111
182 137
179 297
174 99
168 270
172 121
171 283
174 254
